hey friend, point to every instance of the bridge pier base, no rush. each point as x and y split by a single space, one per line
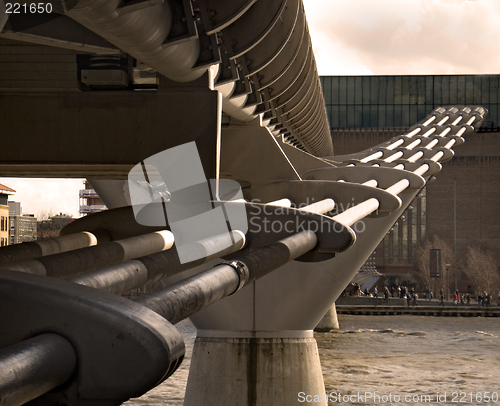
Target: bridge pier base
254 371
329 321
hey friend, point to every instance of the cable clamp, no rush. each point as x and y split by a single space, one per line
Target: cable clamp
241 270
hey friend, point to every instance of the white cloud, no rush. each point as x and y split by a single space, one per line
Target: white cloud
405 37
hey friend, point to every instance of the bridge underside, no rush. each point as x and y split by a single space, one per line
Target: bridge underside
103 134
133 81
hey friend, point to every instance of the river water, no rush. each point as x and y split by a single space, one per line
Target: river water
417 360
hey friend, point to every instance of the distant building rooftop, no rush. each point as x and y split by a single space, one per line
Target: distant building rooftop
6 190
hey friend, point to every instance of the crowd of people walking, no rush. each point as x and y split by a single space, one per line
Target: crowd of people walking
411 296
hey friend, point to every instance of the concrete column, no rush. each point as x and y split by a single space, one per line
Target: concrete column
258 371
329 321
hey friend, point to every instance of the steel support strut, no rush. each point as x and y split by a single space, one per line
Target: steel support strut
180 300
35 366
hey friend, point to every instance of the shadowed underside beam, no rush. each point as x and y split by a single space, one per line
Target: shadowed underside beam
103 134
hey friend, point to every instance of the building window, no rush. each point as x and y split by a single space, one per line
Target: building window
404 235
395 239
402 101
401 242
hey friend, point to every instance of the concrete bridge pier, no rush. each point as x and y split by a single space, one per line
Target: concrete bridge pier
257 347
263 369
329 321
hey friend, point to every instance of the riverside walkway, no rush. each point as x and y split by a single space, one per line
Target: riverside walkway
394 306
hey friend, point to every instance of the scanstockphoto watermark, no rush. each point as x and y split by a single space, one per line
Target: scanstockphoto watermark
261 207
297 224
170 189
391 398
276 219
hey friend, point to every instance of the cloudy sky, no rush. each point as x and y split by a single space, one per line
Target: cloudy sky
391 37
356 37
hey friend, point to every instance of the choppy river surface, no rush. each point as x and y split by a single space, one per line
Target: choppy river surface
417 360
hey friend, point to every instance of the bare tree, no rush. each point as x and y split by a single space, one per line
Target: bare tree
482 270
45 214
50 227
423 264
